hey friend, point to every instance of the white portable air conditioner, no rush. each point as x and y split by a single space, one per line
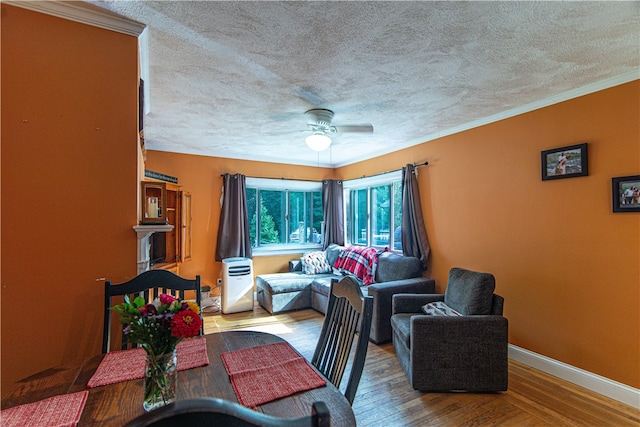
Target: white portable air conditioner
237 285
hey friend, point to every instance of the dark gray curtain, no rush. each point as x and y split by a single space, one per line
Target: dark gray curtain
332 199
233 230
414 234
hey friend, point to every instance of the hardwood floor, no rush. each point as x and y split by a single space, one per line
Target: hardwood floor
385 398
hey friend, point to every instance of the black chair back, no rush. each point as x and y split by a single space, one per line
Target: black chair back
149 285
348 313
218 412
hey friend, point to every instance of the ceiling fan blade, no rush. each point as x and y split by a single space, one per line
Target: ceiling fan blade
366 128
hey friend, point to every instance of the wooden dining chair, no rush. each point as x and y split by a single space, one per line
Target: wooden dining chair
218 412
348 313
149 285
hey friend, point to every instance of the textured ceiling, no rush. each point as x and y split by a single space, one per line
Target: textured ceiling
233 79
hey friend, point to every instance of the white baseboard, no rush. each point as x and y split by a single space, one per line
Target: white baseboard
596 383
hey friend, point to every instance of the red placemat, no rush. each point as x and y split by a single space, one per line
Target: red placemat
56 411
262 356
130 364
268 372
192 353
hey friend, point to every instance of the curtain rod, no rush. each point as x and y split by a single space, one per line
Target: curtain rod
415 165
282 178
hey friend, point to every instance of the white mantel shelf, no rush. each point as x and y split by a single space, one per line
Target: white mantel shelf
148 230
144 232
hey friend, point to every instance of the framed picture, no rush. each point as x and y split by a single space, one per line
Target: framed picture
625 191
565 162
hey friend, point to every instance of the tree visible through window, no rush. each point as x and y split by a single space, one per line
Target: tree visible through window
284 217
288 214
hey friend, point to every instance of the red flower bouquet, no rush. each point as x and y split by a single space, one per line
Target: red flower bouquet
159 326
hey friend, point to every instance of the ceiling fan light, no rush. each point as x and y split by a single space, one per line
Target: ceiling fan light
318 141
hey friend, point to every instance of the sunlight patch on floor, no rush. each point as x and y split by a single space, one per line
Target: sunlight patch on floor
275 328
222 321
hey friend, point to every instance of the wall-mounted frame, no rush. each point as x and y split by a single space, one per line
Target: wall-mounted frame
565 162
625 193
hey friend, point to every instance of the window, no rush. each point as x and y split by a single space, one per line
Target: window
284 215
373 209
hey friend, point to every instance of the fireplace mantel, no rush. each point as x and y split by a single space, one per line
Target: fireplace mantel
144 245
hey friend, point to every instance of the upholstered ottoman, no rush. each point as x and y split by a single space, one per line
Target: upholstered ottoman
320 288
284 291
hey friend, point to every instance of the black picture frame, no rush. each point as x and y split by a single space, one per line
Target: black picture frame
565 162
624 200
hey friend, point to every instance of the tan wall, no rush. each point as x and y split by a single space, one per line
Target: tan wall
566 265
69 160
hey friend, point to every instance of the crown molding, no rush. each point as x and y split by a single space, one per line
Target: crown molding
84 13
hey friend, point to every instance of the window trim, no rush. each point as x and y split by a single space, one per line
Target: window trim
283 184
289 185
373 181
368 183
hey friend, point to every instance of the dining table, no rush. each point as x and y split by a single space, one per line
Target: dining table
117 404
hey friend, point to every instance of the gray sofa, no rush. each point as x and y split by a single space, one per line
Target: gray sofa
295 290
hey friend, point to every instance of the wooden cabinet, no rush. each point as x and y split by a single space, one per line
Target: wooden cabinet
153 203
169 249
185 249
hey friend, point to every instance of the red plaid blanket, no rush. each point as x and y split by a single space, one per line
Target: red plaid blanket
359 261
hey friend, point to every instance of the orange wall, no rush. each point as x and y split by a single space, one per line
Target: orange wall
200 175
566 265
69 182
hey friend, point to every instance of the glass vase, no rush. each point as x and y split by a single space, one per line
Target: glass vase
160 380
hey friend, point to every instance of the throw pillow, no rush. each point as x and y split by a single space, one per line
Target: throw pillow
439 308
316 263
333 252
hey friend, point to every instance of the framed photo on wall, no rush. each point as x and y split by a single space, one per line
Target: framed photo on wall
565 162
625 191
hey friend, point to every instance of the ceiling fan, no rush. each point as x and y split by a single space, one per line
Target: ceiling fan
319 121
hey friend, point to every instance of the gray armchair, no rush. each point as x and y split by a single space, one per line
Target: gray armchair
462 344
